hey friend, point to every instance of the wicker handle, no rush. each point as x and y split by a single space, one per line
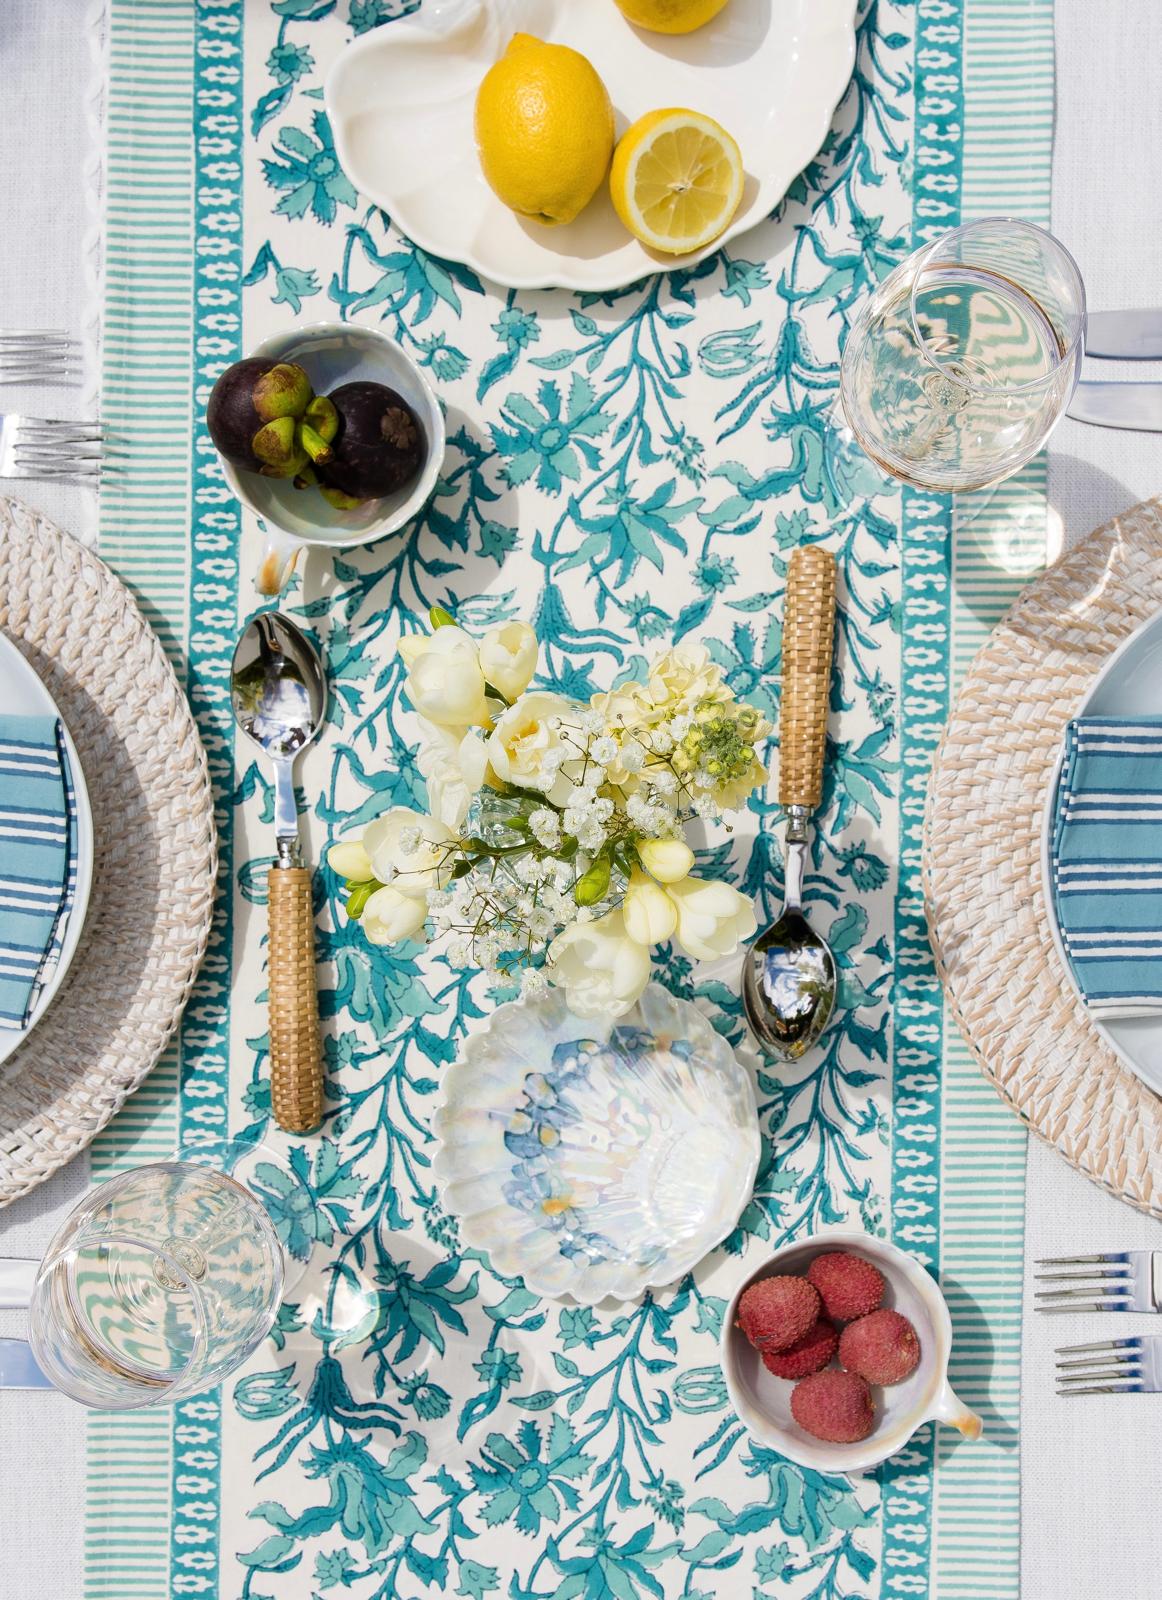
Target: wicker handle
808 630
296 1064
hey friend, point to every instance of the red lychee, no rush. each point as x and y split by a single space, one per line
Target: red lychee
775 1312
882 1347
848 1285
834 1405
808 1354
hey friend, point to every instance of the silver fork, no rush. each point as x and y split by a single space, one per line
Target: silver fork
1116 1280
38 355
40 447
1113 1366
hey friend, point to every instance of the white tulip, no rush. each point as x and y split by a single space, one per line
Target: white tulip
444 681
508 658
389 916
525 734
650 915
453 762
412 871
602 969
350 860
668 860
713 918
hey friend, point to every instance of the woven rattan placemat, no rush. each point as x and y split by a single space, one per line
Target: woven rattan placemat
155 856
982 859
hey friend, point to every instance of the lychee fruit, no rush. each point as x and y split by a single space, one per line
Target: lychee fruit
808 1354
882 1347
775 1312
848 1285
834 1405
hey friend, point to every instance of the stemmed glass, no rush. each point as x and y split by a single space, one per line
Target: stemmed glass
966 356
161 1282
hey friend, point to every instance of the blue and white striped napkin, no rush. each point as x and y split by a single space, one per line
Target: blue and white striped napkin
1107 863
38 860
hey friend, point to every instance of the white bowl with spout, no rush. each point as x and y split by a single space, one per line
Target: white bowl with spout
763 1402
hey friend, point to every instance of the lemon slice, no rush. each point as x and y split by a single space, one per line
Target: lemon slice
676 180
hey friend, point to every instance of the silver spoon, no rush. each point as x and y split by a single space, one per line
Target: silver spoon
278 691
788 974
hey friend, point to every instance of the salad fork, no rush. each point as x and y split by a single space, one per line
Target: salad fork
1117 1280
1112 1366
42 447
38 355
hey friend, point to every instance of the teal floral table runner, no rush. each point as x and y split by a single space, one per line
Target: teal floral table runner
627 470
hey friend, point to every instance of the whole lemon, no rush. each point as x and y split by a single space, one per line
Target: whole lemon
544 129
670 16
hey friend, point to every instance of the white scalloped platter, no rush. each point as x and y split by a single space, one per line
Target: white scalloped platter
401 100
596 1159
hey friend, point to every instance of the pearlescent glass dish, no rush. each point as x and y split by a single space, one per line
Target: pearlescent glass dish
596 1160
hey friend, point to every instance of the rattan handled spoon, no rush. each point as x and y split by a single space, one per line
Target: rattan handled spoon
279 695
788 974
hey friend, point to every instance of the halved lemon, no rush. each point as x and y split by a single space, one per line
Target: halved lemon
676 180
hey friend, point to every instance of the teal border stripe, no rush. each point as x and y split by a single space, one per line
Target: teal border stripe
213 612
925 663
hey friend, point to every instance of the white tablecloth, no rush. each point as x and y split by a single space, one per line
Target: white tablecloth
1091 1470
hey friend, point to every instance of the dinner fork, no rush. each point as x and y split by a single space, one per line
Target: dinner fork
41 447
1118 1280
38 355
1113 1366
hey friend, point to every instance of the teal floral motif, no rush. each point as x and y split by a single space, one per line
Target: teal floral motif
307 168
292 285
287 63
551 438
531 1477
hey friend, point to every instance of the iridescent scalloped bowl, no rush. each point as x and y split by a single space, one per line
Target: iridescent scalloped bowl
596 1160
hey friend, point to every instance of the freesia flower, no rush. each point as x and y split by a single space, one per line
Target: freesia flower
444 679
389 916
650 915
453 763
668 860
528 733
508 657
602 969
408 850
350 860
713 918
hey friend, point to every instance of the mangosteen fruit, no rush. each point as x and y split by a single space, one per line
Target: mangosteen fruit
379 445
253 415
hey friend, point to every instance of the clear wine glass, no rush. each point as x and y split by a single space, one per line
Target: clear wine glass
161 1282
966 356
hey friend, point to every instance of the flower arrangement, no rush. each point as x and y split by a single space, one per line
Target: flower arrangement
555 839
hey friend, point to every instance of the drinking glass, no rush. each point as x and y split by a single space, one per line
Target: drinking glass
966 356
160 1283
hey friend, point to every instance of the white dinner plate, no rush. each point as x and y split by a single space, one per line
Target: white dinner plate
401 101
23 694
1129 685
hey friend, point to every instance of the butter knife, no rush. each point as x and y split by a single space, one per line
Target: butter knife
1124 335
1137 406
18 1368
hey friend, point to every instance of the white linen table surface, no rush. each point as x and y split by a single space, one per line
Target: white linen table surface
1091 1472
46 68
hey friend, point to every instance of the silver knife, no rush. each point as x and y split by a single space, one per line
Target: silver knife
1136 406
18 1368
1124 335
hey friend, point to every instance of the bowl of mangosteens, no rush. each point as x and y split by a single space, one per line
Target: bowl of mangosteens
331 434
835 1350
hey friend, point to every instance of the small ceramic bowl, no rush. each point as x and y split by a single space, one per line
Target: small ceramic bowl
333 353
596 1159
763 1402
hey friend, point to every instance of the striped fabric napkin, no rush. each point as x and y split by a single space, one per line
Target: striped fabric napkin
37 860
1107 863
